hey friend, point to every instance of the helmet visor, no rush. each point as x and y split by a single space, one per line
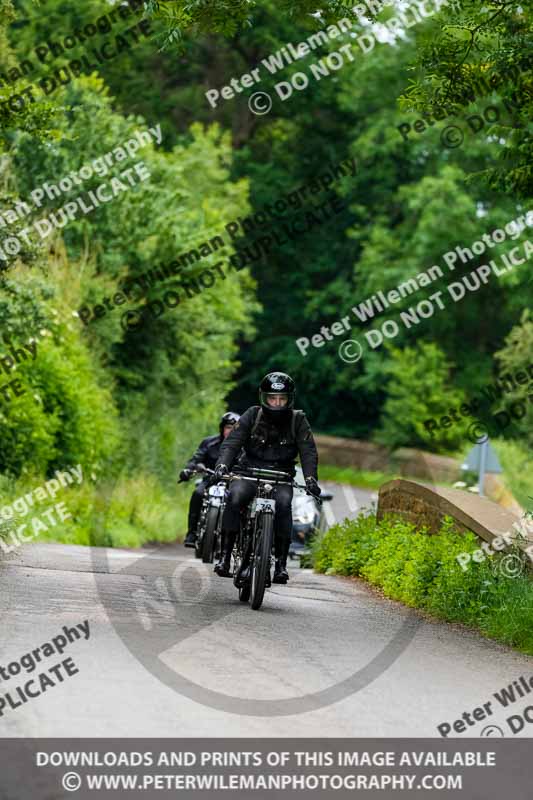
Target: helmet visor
277 401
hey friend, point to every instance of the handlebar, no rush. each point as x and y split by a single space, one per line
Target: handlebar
199 469
257 474
260 472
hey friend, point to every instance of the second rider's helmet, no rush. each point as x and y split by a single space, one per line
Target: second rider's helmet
276 385
229 418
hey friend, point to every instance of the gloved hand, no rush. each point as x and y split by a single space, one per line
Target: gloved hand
220 471
313 487
185 474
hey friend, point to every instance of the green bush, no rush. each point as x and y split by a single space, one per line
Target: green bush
426 367
130 513
422 571
515 457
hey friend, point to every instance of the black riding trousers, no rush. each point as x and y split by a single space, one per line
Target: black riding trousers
195 506
241 493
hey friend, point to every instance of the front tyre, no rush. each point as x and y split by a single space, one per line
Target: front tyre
261 559
208 543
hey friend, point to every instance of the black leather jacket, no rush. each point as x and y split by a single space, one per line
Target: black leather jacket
271 446
207 453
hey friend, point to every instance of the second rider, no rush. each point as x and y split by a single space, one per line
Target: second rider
206 455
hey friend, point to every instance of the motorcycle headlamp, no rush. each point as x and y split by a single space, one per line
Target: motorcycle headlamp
304 517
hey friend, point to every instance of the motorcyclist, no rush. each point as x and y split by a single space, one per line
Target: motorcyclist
206 454
272 435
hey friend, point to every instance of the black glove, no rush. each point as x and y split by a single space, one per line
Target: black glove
185 474
313 487
220 471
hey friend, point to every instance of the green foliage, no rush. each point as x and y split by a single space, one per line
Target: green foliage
354 477
134 512
230 16
28 435
139 511
422 571
517 464
405 411
129 406
409 203
516 357
67 414
469 41
34 118
64 415
140 413
175 356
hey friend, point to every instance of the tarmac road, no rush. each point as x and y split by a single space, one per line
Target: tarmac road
172 651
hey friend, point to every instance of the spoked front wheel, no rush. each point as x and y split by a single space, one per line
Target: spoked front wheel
261 560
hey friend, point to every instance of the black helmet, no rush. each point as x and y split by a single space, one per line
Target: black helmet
276 383
230 418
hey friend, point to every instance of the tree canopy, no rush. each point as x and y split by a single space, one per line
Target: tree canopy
413 196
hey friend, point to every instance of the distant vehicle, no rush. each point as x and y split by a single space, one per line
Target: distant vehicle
308 518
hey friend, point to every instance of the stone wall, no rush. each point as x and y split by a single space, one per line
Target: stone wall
407 463
426 506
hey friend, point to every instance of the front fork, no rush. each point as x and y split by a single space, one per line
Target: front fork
250 539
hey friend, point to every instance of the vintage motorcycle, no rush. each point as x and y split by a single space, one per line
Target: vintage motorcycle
209 528
252 552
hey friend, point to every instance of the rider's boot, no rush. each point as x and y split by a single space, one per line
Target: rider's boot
243 574
280 570
223 565
282 547
280 567
190 539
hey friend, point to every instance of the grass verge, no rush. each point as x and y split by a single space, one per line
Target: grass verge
422 571
354 477
139 510
361 478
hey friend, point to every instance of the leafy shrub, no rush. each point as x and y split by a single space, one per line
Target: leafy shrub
422 571
130 513
515 457
64 417
402 424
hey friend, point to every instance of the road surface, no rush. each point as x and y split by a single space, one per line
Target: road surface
172 652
